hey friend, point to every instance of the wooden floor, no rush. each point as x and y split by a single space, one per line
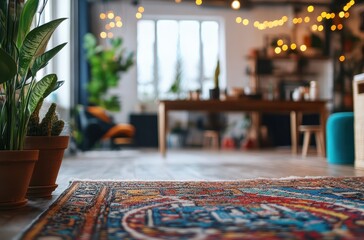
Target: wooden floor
178 165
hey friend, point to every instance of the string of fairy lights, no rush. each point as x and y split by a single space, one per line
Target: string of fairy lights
115 21
316 25
112 20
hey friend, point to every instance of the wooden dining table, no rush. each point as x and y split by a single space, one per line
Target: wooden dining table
253 106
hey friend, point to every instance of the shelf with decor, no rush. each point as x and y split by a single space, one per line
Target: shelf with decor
277 77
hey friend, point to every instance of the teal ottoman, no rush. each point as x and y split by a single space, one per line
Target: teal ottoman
340 138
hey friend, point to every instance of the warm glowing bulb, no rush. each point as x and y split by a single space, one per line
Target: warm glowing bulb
284 18
314 27
319 19
340 26
112 24
299 20
341 14
246 22
198 2
110 35
110 15
320 28
295 20
178 1
103 35
117 19
280 42
238 20
347 15
310 8
235 4
323 14
256 24
102 16
293 46
303 48
277 50
119 24
342 58
307 19
138 15
345 8
333 15
285 47
141 9
333 27
107 27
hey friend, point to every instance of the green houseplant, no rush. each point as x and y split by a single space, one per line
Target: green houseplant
22 55
105 64
45 136
215 92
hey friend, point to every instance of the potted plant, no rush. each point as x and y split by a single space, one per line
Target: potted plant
45 136
22 55
215 92
105 64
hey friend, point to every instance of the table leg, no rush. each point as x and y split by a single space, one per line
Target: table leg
323 118
255 126
294 132
162 126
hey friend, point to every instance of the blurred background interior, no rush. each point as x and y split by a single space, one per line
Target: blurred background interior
124 56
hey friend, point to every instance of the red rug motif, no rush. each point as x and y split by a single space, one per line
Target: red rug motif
303 208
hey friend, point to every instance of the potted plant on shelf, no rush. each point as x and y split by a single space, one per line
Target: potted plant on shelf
215 92
45 136
22 55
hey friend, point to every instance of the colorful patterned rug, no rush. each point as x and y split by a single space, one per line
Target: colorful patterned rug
302 208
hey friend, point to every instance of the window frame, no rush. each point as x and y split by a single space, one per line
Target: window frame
200 20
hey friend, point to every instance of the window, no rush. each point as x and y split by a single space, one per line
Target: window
175 56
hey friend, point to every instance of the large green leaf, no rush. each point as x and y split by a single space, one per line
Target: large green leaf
55 87
41 61
40 89
7 66
35 43
26 18
3 6
2 21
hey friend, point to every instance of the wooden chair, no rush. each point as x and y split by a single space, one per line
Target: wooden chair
307 130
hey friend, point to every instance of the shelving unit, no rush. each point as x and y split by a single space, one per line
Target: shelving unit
276 77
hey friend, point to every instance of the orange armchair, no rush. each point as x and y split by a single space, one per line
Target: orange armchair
97 126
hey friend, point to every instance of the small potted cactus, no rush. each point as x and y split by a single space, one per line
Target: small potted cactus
44 136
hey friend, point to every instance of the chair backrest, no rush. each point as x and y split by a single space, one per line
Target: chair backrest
91 126
99 113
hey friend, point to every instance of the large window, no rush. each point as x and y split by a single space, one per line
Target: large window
175 56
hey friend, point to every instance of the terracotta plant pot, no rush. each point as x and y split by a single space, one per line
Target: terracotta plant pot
16 168
214 94
51 150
